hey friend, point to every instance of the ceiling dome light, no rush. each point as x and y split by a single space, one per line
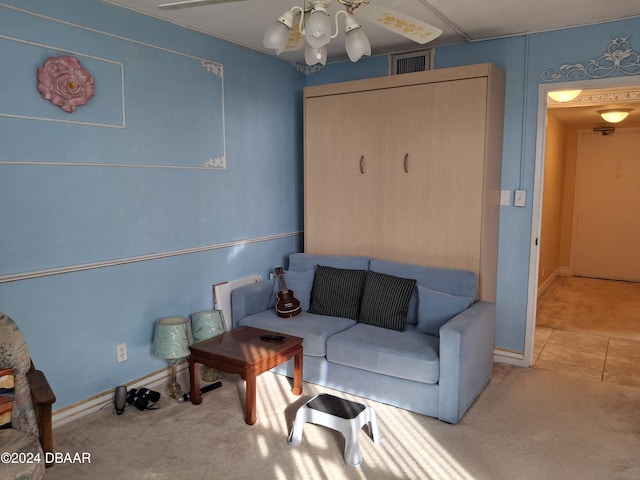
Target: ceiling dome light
614 115
564 95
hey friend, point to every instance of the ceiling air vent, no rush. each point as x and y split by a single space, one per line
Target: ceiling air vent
411 62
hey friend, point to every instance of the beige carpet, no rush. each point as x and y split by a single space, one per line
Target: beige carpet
527 424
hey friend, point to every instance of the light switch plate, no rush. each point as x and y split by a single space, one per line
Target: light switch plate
520 199
505 197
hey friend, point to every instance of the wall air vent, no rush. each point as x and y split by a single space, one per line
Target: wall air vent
410 62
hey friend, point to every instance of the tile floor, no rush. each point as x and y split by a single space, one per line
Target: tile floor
590 328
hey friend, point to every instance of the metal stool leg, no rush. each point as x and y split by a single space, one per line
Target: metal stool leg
374 432
295 437
352 454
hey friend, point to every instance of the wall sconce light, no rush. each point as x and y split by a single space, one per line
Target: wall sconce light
614 115
564 95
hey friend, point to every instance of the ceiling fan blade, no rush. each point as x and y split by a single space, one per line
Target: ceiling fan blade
192 3
398 22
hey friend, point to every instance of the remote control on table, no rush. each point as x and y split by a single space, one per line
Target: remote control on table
277 338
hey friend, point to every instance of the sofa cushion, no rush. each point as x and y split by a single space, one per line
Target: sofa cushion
437 308
301 284
337 292
301 262
456 282
314 329
410 355
385 300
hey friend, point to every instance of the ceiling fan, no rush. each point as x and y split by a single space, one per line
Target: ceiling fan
387 18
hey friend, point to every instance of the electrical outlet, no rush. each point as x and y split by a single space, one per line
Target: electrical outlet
121 352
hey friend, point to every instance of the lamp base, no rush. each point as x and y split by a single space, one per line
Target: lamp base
173 390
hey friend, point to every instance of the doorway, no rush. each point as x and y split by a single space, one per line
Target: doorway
606 230
562 273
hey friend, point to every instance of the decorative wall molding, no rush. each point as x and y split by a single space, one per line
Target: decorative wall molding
307 69
597 97
216 163
619 58
215 68
107 165
219 162
118 65
142 258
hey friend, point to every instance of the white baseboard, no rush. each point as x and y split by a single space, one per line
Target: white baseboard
564 272
547 282
154 381
510 357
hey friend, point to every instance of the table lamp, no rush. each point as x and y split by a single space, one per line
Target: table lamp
204 326
171 340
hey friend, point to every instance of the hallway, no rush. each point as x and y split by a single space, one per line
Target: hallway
590 328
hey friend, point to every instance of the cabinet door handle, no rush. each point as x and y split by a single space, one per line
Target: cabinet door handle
406 163
362 164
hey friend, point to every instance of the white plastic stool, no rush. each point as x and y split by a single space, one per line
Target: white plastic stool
339 414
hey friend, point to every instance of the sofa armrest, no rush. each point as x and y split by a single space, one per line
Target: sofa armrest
250 299
466 359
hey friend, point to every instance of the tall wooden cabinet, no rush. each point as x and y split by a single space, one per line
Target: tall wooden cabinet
407 168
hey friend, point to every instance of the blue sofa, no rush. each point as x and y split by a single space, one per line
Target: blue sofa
436 364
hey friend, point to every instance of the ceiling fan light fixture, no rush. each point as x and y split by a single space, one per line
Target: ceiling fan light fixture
355 40
614 115
277 35
564 95
313 56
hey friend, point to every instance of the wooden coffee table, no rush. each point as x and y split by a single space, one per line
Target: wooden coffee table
242 351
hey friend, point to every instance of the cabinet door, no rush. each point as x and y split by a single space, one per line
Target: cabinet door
403 197
340 190
433 201
397 173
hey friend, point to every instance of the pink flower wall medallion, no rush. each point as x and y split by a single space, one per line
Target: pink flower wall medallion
64 82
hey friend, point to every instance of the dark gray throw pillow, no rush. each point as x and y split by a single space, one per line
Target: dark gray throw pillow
385 300
337 292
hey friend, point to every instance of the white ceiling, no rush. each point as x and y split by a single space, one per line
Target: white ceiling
244 22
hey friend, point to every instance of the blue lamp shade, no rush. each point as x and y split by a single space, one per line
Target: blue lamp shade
172 338
208 324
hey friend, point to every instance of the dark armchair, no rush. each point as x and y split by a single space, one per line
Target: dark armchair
30 432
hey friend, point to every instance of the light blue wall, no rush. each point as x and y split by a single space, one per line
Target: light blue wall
524 59
69 196
74 213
